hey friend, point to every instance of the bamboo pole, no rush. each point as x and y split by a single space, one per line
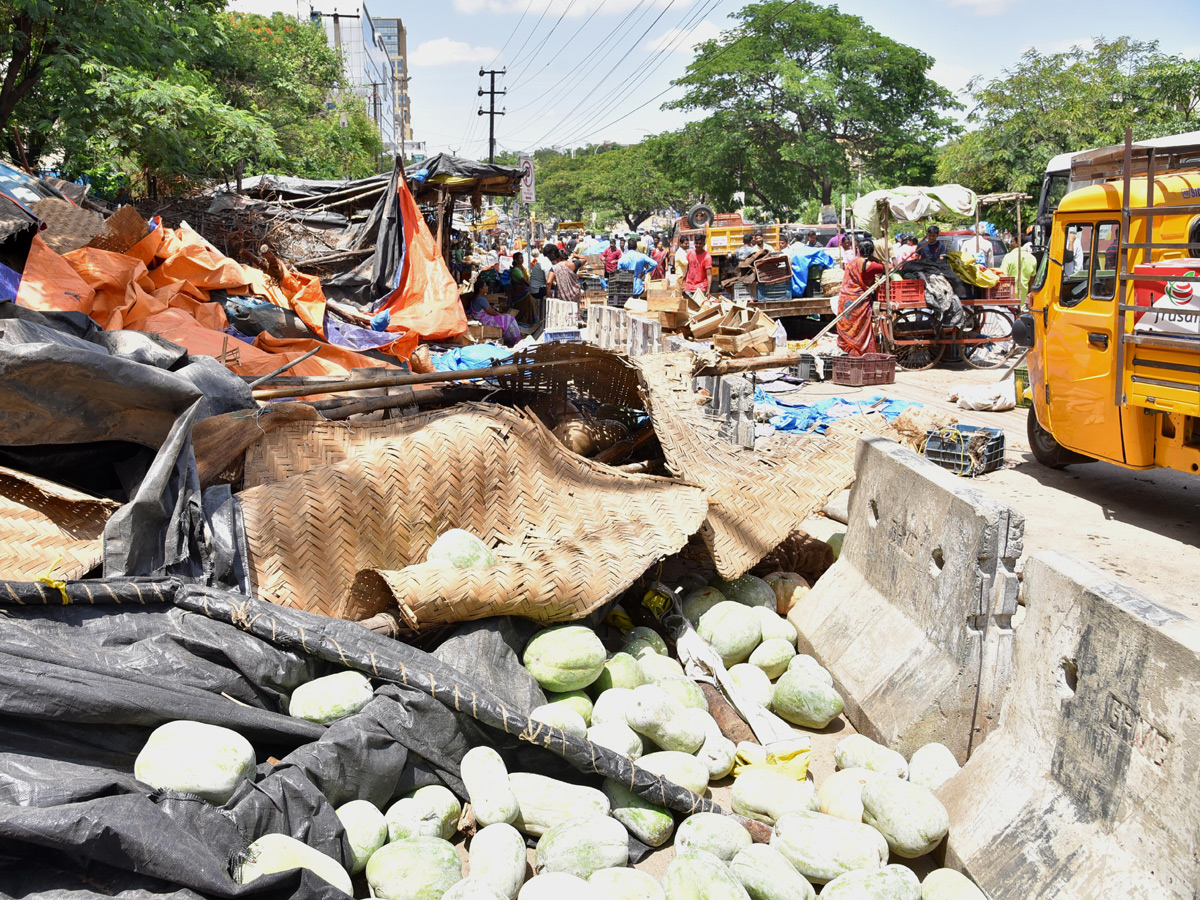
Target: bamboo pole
325 386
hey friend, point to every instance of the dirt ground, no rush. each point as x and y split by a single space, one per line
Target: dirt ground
1142 527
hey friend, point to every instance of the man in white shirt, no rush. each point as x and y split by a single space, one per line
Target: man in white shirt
978 248
538 270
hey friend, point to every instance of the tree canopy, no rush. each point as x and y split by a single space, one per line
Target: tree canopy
1063 102
178 89
800 97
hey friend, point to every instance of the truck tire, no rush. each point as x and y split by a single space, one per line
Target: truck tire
1046 449
700 216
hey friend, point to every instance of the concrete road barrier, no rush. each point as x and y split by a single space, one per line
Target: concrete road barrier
914 619
1090 786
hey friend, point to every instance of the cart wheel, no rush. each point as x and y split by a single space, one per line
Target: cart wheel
916 325
994 325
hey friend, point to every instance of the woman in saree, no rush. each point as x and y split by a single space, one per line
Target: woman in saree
855 329
486 314
520 297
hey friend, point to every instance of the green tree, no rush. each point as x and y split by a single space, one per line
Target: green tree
802 96
1062 102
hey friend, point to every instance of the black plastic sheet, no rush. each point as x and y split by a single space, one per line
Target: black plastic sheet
83 683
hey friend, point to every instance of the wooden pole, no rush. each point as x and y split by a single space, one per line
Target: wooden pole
441 220
326 386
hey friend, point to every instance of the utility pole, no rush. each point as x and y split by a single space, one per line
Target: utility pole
492 113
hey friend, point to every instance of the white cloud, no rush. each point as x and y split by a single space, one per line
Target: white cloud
446 52
985 7
682 40
950 76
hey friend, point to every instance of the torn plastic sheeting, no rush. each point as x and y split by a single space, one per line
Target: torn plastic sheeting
84 685
820 415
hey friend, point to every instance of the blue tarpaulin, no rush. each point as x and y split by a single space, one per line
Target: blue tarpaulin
818 416
472 356
802 257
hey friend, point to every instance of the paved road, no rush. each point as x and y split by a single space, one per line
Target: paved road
1143 527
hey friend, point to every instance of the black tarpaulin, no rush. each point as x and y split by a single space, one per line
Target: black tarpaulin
82 685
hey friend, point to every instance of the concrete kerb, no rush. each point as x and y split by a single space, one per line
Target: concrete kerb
1090 786
914 619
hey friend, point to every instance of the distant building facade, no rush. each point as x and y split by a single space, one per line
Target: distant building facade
367 64
395 39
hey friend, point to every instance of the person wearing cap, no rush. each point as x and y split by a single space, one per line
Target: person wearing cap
931 248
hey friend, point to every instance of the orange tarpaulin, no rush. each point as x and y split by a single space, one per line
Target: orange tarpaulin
427 299
161 285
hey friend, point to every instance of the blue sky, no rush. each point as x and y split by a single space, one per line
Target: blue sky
578 69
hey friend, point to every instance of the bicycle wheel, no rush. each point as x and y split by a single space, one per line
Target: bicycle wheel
985 341
916 341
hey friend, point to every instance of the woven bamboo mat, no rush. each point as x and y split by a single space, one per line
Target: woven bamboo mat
42 522
120 231
68 227
756 499
357 504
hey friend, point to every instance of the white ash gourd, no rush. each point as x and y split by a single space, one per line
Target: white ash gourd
578 701
458 549
330 698
656 668
611 706
430 811
497 858
617 738
859 751
698 875
732 630
565 657
804 700
823 847
545 802
558 886
700 601
195 758
765 796
720 835
888 883
366 830
804 661
560 717
681 768
947 884
273 853
660 717
414 869
582 846
773 656
910 818
470 889
840 794
649 823
625 884
486 779
775 626
620 670
685 691
932 765
767 875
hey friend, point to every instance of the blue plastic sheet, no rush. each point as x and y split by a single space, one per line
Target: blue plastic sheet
472 356
820 415
10 281
802 257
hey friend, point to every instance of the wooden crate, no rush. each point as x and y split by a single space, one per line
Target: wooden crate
608 328
480 333
707 321
645 336
561 314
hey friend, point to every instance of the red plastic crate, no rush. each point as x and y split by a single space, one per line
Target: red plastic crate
909 292
870 368
1005 290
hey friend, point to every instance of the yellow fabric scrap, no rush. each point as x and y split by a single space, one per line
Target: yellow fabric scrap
788 759
971 272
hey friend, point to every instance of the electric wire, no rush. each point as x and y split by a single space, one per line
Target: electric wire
507 40
525 79
535 50
575 123
709 60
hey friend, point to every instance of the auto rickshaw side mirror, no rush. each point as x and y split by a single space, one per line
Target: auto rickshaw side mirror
1022 332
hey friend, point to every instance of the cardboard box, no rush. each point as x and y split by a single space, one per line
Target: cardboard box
480 333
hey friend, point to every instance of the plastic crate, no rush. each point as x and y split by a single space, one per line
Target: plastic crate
949 447
780 291
1021 385
570 335
908 292
870 368
813 368
1005 290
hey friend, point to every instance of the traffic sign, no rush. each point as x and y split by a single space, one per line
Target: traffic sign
528 189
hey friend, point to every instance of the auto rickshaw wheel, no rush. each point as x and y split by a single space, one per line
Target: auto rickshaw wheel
1046 449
